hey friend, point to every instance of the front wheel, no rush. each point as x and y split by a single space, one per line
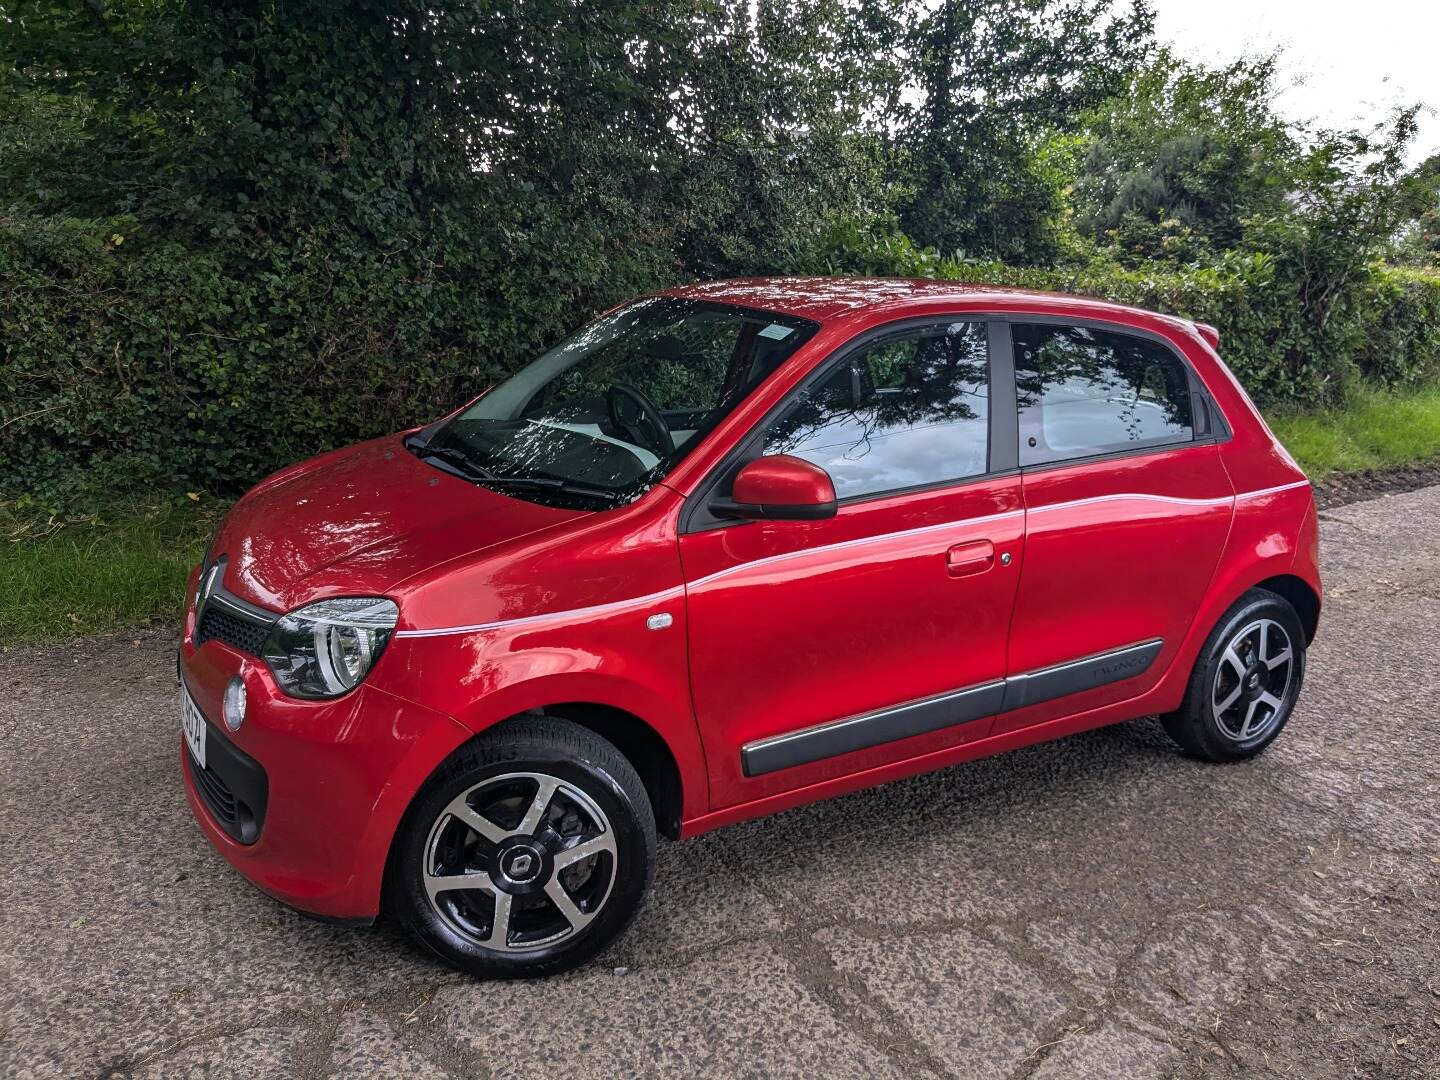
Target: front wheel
526 854
1245 682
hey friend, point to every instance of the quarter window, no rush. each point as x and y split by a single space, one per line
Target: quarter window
909 410
1083 391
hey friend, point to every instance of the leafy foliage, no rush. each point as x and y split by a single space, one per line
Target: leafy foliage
242 232
1383 328
236 233
1419 242
995 77
1173 166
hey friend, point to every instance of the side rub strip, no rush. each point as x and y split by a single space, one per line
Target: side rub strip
946 710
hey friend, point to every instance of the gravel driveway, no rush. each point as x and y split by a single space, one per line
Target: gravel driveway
1099 906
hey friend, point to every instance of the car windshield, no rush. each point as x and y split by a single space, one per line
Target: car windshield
603 416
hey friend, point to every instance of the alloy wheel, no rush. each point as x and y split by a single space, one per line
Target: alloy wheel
519 862
1247 699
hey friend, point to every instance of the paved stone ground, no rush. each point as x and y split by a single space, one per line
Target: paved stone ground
1095 907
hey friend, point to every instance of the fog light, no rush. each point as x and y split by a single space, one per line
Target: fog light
234 705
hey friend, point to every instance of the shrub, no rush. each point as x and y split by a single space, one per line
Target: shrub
129 364
1383 327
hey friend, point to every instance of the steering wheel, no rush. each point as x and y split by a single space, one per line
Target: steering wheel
639 419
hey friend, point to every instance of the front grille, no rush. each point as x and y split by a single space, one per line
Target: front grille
224 616
220 623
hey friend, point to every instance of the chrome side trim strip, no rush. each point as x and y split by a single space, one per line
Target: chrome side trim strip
1223 500
591 612
946 710
847 545
1261 493
679 590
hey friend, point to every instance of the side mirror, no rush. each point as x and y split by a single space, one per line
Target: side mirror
779 488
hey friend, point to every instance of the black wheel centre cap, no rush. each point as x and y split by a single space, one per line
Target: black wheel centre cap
1253 683
522 865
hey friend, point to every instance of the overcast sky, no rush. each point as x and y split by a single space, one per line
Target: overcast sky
1345 64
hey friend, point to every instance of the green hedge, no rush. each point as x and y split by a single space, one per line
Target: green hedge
1383 330
1386 331
128 365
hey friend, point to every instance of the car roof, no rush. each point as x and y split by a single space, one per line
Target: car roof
822 299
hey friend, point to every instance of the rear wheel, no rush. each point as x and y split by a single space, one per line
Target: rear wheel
528 851
1245 682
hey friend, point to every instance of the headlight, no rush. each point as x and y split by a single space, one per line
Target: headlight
322 650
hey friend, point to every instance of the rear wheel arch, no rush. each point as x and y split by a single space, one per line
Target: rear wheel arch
1251 661
1300 595
1228 586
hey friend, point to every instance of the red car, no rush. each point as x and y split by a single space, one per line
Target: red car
730 549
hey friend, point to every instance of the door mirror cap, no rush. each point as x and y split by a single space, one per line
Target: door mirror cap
779 488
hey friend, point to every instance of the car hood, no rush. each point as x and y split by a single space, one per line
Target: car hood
361 521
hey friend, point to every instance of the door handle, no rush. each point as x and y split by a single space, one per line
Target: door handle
974 557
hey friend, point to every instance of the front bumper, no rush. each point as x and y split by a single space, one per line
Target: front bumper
232 786
338 776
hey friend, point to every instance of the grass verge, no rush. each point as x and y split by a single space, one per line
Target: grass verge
126 564
1375 430
63 577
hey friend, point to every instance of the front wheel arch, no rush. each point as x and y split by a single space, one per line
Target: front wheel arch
535 749
645 749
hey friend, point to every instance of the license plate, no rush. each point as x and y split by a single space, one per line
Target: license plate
192 723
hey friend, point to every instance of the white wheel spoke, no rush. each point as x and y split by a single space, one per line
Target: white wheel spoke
538 805
1282 657
1249 717
1264 646
570 856
438 883
1270 699
461 809
1232 658
500 929
561 899
1221 706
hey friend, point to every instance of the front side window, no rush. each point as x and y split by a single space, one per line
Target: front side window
1083 391
601 417
909 410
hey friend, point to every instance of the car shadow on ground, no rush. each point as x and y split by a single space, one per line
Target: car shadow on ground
883 821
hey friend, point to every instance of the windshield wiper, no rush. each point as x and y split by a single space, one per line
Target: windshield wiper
458 461
546 483
462 464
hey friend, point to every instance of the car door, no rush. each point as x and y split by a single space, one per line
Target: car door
821 648
1127 511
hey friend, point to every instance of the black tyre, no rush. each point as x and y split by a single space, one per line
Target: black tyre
1245 681
526 853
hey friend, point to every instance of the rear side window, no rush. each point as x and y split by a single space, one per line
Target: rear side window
1083 391
908 410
